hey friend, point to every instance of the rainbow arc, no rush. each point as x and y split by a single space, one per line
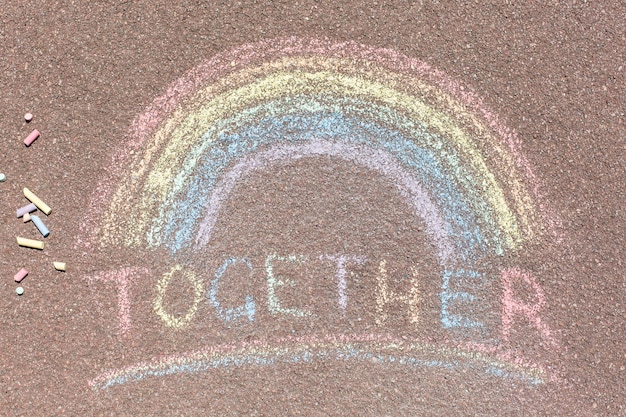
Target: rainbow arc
245 110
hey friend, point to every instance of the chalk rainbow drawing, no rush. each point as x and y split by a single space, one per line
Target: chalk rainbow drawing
264 104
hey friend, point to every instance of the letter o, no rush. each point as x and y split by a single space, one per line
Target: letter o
161 288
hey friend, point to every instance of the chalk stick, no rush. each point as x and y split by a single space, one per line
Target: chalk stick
21 274
37 201
30 243
26 217
31 138
26 209
59 266
40 226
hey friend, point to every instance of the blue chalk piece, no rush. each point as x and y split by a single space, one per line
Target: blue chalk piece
39 224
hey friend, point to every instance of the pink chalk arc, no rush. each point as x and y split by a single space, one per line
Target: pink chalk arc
376 160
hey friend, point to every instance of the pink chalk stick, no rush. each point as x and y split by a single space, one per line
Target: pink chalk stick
26 209
21 274
31 138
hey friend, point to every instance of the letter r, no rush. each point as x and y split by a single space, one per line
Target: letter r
512 306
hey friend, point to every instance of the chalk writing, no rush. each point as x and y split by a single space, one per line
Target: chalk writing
512 306
161 289
122 278
451 297
274 282
384 295
340 274
230 314
358 347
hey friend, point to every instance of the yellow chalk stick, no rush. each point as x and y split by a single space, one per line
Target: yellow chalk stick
59 266
30 243
37 201
26 217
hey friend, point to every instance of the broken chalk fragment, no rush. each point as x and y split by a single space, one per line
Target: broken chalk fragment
26 209
37 201
31 138
28 117
26 217
59 266
40 226
3 177
19 290
30 243
21 274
